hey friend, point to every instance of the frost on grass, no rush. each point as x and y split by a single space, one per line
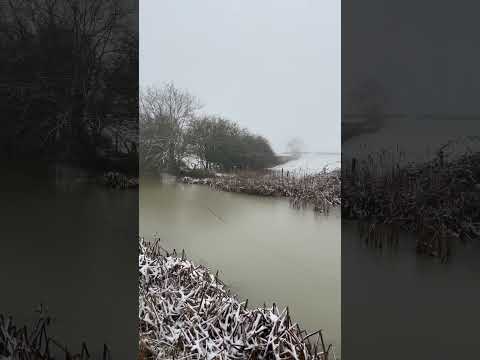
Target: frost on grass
186 312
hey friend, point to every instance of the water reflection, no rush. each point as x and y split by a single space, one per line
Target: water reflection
72 246
392 297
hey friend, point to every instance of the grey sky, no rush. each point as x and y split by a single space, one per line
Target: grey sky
424 54
273 66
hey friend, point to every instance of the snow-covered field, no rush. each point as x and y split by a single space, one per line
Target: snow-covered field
310 163
418 145
307 163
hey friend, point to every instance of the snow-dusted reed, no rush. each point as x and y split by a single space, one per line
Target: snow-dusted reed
436 200
320 191
185 312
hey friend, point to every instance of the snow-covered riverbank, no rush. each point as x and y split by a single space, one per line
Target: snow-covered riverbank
184 310
321 191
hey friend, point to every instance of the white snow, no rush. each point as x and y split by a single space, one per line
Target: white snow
186 311
310 163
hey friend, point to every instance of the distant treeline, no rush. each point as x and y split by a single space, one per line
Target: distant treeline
68 81
172 133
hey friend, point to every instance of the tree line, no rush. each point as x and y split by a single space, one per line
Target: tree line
68 76
173 134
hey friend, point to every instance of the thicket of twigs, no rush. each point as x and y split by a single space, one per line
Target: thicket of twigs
322 191
34 343
437 200
116 180
186 312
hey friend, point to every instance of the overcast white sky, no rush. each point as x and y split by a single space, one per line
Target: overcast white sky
273 66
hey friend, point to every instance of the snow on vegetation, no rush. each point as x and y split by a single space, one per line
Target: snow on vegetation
436 200
186 312
310 163
321 191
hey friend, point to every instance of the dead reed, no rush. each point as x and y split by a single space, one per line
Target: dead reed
186 312
35 343
321 191
437 200
116 180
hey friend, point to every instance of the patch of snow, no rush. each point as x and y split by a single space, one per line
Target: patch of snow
311 163
192 161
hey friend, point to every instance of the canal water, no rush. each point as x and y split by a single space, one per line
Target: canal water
264 250
395 303
71 245
400 305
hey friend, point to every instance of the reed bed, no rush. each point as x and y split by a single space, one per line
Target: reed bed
320 191
437 200
35 343
116 180
186 312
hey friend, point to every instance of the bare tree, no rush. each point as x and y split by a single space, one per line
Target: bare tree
165 113
369 98
295 146
74 43
367 101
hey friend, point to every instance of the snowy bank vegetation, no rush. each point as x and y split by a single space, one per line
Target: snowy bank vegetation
187 312
437 200
322 191
309 163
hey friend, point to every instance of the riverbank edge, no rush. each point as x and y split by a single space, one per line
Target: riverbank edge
435 201
321 191
185 310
